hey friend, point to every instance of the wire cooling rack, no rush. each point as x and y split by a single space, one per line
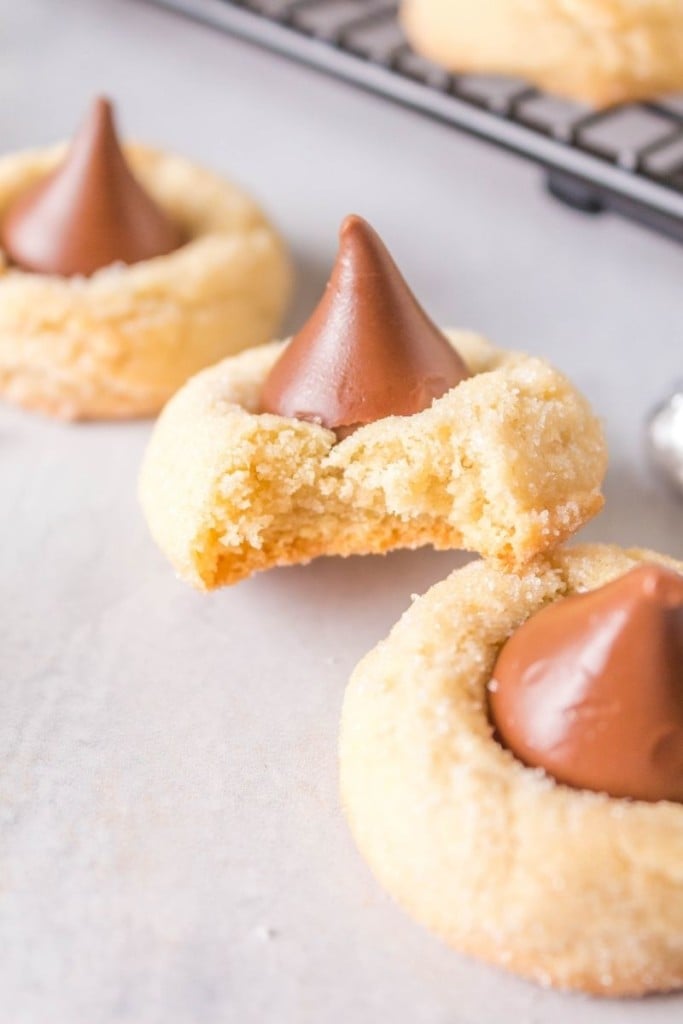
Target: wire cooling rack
629 159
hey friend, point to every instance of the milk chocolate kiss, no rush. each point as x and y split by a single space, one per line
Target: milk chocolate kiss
591 688
88 213
368 351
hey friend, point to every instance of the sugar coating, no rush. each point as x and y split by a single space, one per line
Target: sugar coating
570 888
119 343
508 463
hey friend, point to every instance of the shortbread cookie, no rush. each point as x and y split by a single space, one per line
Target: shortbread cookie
599 51
566 886
118 343
507 463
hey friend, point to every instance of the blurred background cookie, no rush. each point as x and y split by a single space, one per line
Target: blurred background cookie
599 51
125 271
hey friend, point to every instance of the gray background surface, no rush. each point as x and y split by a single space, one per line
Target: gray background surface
171 846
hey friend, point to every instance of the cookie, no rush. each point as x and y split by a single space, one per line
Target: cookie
566 886
119 340
508 463
598 51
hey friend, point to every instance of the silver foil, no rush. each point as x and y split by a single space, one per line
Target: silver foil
665 438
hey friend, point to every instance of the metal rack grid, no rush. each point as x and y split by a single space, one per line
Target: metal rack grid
629 159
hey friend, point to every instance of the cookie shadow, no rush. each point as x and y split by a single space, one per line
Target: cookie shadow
372 588
640 511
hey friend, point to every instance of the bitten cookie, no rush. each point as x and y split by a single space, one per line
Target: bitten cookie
565 885
369 430
507 463
600 51
115 289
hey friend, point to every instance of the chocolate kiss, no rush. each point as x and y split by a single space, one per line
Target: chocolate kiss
368 351
90 212
591 688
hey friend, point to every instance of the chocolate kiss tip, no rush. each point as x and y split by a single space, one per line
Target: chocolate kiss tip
102 108
591 688
368 351
90 212
353 222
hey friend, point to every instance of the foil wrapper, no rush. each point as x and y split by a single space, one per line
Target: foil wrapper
664 434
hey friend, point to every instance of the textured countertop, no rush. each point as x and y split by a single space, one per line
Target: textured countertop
171 844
